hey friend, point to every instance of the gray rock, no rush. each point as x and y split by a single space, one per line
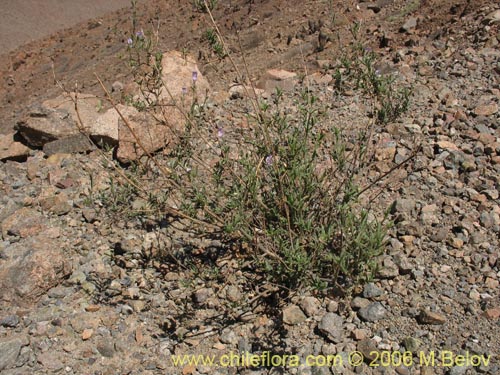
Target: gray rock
292 315
409 25
373 312
68 145
332 326
10 349
201 295
458 370
106 348
403 205
310 305
371 290
359 303
228 336
10 321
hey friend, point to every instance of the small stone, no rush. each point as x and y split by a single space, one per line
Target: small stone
412 344
373 312
446 145
233 293
358 303
310 305
486 109
493 313
10 321
106 349
87 334
332 326
92 308
409 25
370 290
228 336
201 295
292 315
403 205
429 317
489 219
493 17
89 214
491 283
333 306
137 305
58 204
368 348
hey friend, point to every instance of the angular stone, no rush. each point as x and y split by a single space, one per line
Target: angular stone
56 204
332 326
310 305
486 109
25 222
34 266
429 317
292 315
409 25
177 74
10 349
12 150
446 145
72 144
142 134
373 312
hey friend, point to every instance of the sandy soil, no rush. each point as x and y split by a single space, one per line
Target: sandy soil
22 21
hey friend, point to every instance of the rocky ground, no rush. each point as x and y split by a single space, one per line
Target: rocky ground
81 289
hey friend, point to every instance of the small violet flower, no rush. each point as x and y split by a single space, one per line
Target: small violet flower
184 91
269 160
195 76
130 41
220 132
140 34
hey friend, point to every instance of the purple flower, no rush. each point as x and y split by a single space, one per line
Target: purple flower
220 132
269 160
195 76
184 91
140 34
130 41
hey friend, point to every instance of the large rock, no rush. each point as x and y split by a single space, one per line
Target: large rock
57 119
145 132
32 267
56 125
141 133
178 71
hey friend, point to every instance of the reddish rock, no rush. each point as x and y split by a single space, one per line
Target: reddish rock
493 313
32 267
486 109
25 222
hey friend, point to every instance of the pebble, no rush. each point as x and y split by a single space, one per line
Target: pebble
373 312
332 326
311 306
292 315
429 317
